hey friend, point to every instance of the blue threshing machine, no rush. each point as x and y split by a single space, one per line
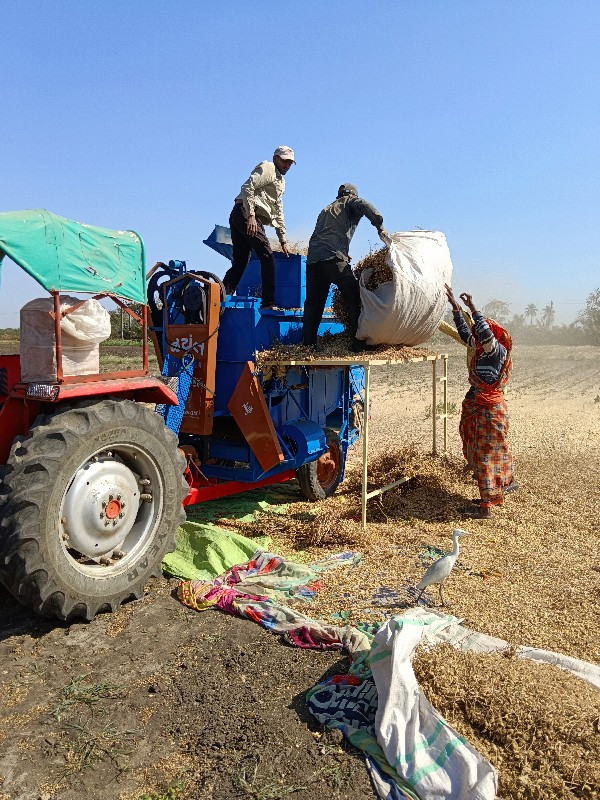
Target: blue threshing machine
239 425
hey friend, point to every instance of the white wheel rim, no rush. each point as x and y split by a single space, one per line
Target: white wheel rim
110 510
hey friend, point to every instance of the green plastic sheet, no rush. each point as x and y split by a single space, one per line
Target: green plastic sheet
62 255
205 549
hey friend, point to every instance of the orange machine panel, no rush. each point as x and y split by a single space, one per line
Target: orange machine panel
249 409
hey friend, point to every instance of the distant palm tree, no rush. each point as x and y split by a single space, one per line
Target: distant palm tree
531 312
548 315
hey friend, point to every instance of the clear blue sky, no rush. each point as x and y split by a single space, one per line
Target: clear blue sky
479 119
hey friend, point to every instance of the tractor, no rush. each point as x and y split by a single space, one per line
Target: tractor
98 468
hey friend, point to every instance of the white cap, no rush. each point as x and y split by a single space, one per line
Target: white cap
285 152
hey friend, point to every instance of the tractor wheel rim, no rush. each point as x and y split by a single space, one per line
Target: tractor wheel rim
328 466
111 509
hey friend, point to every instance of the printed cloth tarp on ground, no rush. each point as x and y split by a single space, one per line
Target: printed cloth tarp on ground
265 576
412 753
346 702
349 703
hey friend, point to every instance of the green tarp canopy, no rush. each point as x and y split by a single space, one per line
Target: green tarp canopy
63 255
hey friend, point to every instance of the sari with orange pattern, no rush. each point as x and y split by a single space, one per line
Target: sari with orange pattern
484 427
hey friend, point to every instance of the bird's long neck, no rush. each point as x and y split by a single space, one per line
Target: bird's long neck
456 548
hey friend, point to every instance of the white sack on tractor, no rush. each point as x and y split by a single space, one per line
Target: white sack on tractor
81 332
408 309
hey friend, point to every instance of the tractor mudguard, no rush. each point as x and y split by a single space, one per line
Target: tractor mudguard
19 410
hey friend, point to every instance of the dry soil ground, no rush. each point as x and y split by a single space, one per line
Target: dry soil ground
158 701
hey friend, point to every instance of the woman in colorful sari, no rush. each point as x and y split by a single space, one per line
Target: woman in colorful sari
484 418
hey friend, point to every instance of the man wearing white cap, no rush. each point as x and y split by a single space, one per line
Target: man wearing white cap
258 204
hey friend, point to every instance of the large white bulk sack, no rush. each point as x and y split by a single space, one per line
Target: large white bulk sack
81 332
408 309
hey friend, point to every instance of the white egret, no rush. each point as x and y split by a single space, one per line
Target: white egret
440 569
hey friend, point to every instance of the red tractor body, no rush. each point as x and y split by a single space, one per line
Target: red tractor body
92 479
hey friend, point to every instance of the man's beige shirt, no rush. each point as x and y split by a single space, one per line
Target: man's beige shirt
262 196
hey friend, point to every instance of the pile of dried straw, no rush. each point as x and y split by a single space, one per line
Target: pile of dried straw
537 724
336 523
381 273
336 346
294 248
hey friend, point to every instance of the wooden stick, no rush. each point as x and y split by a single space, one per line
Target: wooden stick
388 486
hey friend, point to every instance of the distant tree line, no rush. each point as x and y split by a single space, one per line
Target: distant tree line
535 326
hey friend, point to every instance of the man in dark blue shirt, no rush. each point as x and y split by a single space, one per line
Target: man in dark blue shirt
328 261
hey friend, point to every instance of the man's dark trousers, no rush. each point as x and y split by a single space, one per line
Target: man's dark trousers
243 244
319 277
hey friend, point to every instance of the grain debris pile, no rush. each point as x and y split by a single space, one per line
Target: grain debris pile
537 724
337 348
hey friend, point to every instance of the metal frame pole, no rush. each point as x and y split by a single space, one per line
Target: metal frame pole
434 406
365 446
58 336
144 338
445 357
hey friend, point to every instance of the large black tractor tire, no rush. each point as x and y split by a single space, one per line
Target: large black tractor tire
319 479
89 505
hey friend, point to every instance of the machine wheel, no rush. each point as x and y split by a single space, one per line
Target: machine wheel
319 479
89 505
210 276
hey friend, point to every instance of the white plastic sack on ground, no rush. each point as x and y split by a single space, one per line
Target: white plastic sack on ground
430 755
408 309
81 332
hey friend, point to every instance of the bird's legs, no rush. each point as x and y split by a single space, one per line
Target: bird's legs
420 595
441 595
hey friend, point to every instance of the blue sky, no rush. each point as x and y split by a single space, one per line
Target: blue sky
479 119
